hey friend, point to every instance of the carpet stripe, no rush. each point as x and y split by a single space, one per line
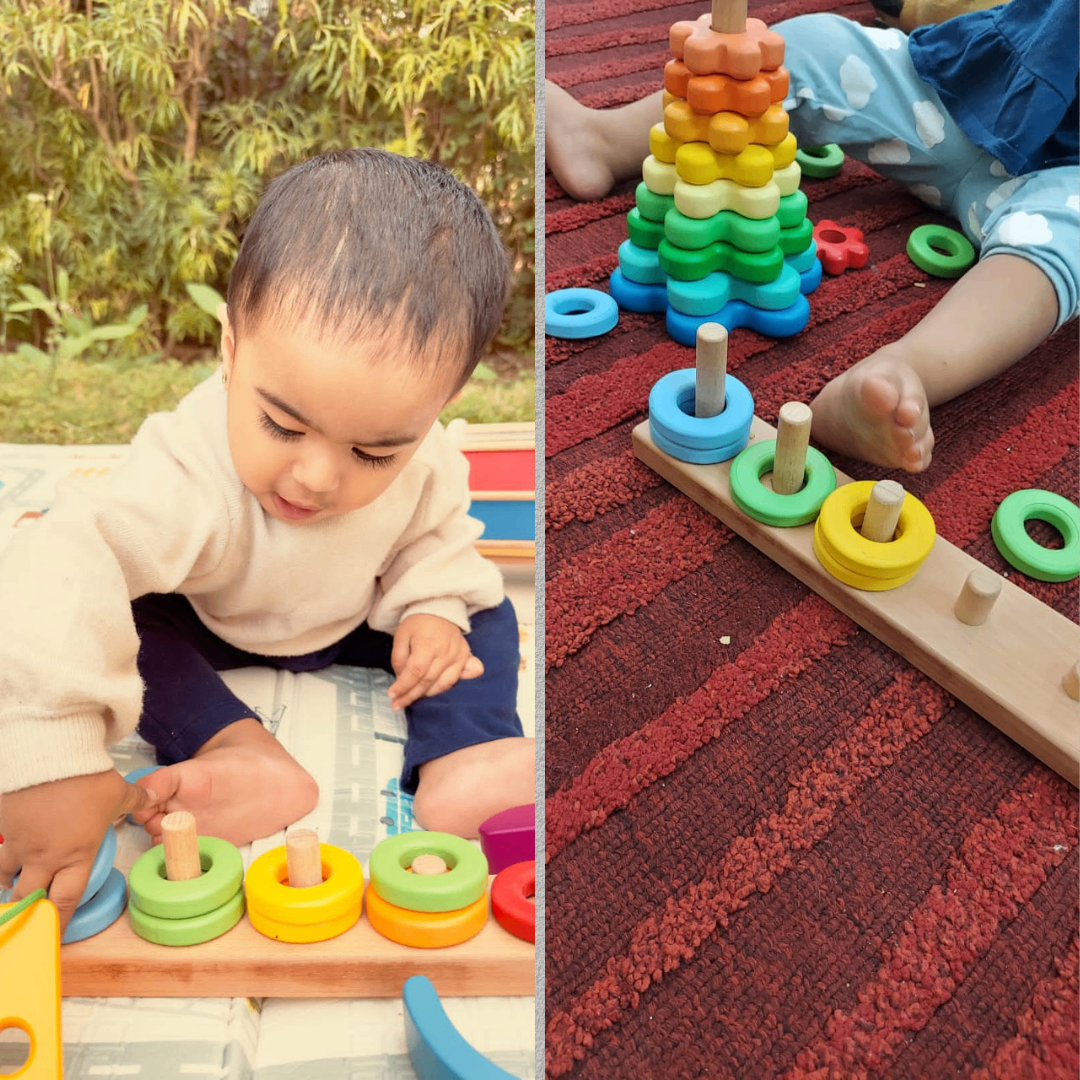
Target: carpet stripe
1046 1043
574 217
1001 863
663 940
586 493
624 572
790 645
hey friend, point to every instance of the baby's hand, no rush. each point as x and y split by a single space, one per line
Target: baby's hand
430 654
52 833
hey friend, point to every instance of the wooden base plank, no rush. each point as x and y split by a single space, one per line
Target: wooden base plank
243 963
1009 669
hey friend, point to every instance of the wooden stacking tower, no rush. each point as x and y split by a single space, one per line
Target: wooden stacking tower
720 233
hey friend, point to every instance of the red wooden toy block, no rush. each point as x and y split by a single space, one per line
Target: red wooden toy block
838 248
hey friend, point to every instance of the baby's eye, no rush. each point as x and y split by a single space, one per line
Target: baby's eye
375 460
276 430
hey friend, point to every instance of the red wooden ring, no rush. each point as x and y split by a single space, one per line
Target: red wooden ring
510 902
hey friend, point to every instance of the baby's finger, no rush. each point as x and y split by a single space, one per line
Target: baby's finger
9 865
420 682
473 668
137 801
66 891
31 878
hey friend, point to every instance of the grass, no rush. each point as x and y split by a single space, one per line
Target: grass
104 403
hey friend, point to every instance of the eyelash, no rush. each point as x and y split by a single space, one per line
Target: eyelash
378 461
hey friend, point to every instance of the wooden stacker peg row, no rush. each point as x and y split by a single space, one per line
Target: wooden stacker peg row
303 858
710 370
977 597
181 846
729 16
792 442
883 511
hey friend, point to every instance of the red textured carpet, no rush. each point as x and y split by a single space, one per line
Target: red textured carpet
774 847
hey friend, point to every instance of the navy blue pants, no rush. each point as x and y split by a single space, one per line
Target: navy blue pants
185 701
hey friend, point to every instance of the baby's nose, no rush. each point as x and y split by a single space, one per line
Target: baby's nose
316 472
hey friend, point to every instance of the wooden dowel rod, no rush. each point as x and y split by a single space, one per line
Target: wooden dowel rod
729 16
882 511
428 864
792 441
181 846
710 369
303 858
977 597
1071 682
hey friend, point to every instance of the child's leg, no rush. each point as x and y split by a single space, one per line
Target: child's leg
222 765
466 758
856 86
589 150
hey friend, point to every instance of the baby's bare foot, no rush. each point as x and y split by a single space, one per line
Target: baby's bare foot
242 784
574 146
876 411
459 792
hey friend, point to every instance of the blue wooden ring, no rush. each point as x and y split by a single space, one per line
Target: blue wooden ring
579 313
671 412
101 911
138 774
437 1050
701 457
99 872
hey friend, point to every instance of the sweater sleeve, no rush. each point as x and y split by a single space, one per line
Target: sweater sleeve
69 683
435 568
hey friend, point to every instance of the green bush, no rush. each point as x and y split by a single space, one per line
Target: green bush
139 134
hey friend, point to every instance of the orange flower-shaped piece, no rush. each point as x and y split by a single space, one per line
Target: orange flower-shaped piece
706 51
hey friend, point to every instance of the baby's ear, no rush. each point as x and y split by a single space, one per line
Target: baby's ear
228 338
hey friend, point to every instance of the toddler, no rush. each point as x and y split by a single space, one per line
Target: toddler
978 117
302 508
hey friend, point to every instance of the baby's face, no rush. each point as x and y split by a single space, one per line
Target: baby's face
319 430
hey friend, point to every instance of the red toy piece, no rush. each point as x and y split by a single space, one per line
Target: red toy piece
839 249
510 903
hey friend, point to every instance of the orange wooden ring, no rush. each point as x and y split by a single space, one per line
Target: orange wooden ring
426 929
510 892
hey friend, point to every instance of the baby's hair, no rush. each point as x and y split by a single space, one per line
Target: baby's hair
362 243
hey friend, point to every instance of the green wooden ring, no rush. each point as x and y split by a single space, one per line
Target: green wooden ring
465 881
153 894
921 251
1019 550
820 161
756 500
193 931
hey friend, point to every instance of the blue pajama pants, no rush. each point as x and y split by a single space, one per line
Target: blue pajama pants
856 86
185 701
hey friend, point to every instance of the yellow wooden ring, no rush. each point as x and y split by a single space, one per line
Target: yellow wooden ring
851 577
268 892
303 934
426 929
836 533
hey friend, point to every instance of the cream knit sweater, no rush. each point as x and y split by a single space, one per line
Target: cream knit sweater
174 517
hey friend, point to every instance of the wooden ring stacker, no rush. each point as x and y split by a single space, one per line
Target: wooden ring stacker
188 889
702 414
426 929
923 245
869 564
304 914
1020 550
802 476
464 882
510 903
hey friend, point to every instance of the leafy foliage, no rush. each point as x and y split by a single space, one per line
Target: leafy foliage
138 135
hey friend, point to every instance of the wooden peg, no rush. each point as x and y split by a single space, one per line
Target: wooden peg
977 597
792 441
710 370
1071 682
181 846
883 511
729 16
303 858
428 865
